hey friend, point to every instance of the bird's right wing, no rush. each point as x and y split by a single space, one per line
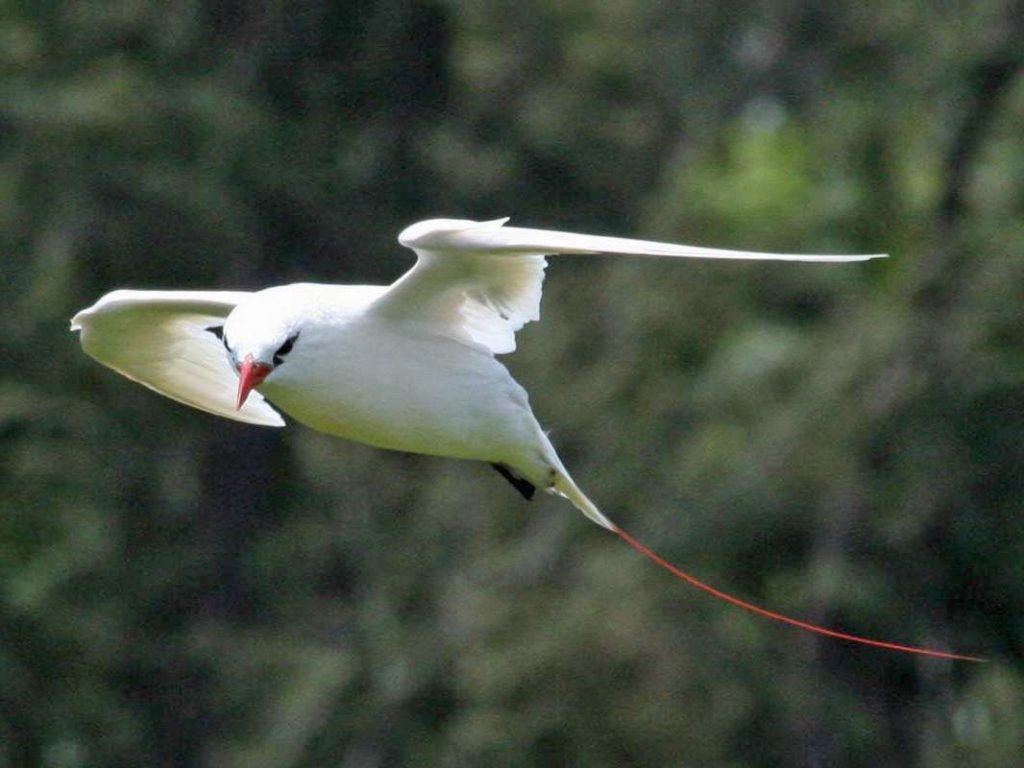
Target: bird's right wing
170 342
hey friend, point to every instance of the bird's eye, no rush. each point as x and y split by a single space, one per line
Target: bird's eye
284 349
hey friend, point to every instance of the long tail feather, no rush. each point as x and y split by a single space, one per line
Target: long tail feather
564 486
764 612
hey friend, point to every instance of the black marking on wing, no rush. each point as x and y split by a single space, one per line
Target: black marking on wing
521 484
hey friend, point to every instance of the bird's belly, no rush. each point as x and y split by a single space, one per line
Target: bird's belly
432 396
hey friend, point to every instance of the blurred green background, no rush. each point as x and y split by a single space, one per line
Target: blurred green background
839 443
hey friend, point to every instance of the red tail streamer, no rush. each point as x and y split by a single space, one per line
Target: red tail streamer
658 560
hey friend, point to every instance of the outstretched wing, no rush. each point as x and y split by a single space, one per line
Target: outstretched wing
480 282
170 342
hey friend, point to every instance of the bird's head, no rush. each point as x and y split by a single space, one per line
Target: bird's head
259 337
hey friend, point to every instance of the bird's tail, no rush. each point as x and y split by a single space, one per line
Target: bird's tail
564 486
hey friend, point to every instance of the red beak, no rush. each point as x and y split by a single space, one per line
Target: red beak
250 376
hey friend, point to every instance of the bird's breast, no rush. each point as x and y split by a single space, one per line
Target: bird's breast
409 392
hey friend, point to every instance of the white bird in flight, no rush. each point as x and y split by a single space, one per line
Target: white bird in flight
409 367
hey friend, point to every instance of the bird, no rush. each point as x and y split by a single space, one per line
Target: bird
411 367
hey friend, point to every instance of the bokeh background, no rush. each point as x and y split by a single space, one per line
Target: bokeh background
839 443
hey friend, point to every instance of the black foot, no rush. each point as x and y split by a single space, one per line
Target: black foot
521 484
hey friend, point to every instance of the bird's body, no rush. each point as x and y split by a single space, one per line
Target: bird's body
428 393
385 400
468 408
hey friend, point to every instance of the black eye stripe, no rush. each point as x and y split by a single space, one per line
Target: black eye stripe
218 331
284 349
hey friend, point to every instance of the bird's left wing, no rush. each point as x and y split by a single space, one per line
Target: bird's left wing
480 282
170 342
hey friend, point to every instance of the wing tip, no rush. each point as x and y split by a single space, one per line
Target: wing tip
265 421
79 319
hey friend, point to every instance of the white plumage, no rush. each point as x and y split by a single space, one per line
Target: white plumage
408 367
